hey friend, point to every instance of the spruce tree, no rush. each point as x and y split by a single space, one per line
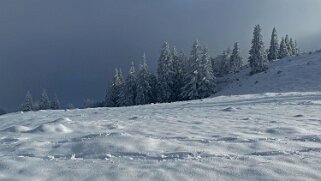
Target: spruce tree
258 58
206 84
178 73
288 44
44 103
165 71
130 87
28 103
190 88
274 46
283 52
55 103
293 48
114 93
144 89
226 64
154 87
236 58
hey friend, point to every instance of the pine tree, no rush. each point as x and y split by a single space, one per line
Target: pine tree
154 87
28 103
190 88
165 71
258 58
44 103
113 95
226 62
55 104
206 84
130 87
274 46
178 75
288 44
236 58
293 48
283 49
144 89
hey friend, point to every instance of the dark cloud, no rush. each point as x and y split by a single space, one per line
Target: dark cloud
71 47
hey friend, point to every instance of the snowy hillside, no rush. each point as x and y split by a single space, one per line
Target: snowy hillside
250 137
300 73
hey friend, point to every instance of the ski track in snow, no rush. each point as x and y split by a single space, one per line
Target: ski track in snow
262 136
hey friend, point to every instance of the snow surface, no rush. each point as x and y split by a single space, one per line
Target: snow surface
263 136
301 74
273 136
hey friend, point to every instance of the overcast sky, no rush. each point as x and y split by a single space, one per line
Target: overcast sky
71 47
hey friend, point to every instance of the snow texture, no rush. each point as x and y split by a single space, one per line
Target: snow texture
263 136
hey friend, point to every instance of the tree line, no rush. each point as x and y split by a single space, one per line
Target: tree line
44 103
180 76
186 77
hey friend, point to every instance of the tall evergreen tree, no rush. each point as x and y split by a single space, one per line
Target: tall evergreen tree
190 88
293 48
144 89
55 103
44 103
283 52
226 62
258 58
288 44
206 84
178 74
154 88
165 71
130 88
274 46
236 58
28 103
113 95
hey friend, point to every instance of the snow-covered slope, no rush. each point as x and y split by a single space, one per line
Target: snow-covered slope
273 136
263 136
302 73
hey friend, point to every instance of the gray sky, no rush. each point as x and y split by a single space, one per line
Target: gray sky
71 47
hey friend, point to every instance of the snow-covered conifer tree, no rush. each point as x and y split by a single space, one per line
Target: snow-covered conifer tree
113 95
165 71
129 91
206 84
28 103
190 88
293 48
178 74
274 46
288 44
236 58
258 58
44 103
144 89
55 103
283 52
154 87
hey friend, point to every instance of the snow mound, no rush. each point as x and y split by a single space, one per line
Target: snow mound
17 129
230 109
51 128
